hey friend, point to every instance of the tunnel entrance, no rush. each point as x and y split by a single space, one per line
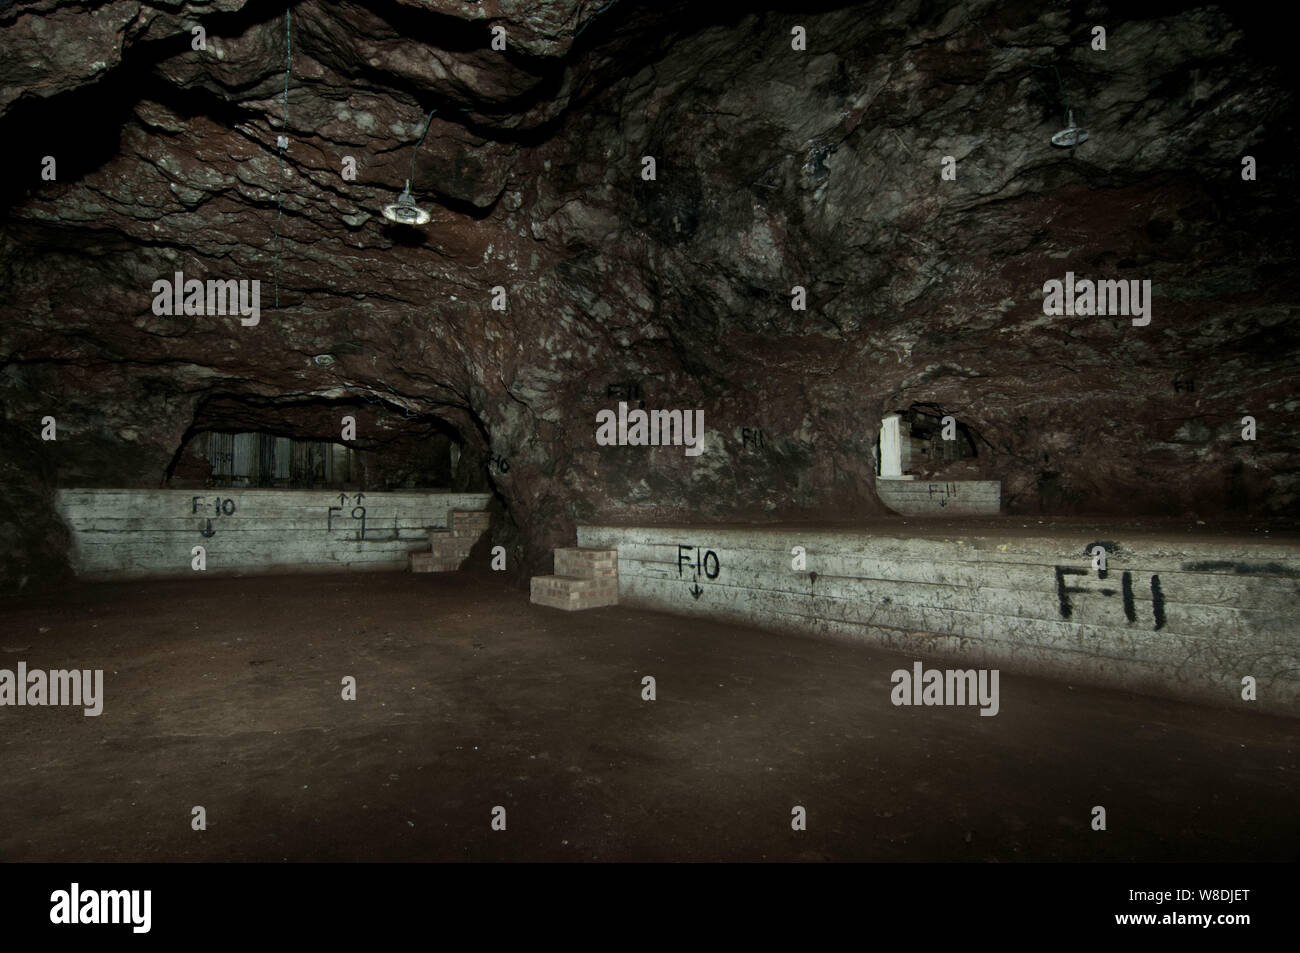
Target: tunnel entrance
242 441
265 460
303 483
913 440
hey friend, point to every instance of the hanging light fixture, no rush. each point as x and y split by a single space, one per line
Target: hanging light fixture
1071 135
404 211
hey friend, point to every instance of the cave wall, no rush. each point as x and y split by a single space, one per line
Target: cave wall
775 168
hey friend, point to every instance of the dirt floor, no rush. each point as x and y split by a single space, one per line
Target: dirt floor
226 693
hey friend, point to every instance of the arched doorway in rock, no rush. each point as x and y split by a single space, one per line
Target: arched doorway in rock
241 440
912 442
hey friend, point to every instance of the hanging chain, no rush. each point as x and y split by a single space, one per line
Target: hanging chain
282 142
427 123
1060 84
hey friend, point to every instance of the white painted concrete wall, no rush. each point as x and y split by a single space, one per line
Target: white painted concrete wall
891 449
941 498
120 534
1229 608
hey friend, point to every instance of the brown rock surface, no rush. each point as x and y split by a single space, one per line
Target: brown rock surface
775 168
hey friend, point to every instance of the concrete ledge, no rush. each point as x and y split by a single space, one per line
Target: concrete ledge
1183 618
126 534
939 498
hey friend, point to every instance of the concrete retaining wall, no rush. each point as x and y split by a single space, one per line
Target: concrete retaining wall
941 498
1176 618
123 534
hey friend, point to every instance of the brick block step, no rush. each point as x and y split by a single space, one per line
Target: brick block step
586 562
468 523
569 592
451 548
428 562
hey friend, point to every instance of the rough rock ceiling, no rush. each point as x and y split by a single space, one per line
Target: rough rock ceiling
775 168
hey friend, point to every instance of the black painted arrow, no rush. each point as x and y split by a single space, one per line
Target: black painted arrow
696 591
208 530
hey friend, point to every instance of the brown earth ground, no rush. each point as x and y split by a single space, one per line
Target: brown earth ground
225 693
